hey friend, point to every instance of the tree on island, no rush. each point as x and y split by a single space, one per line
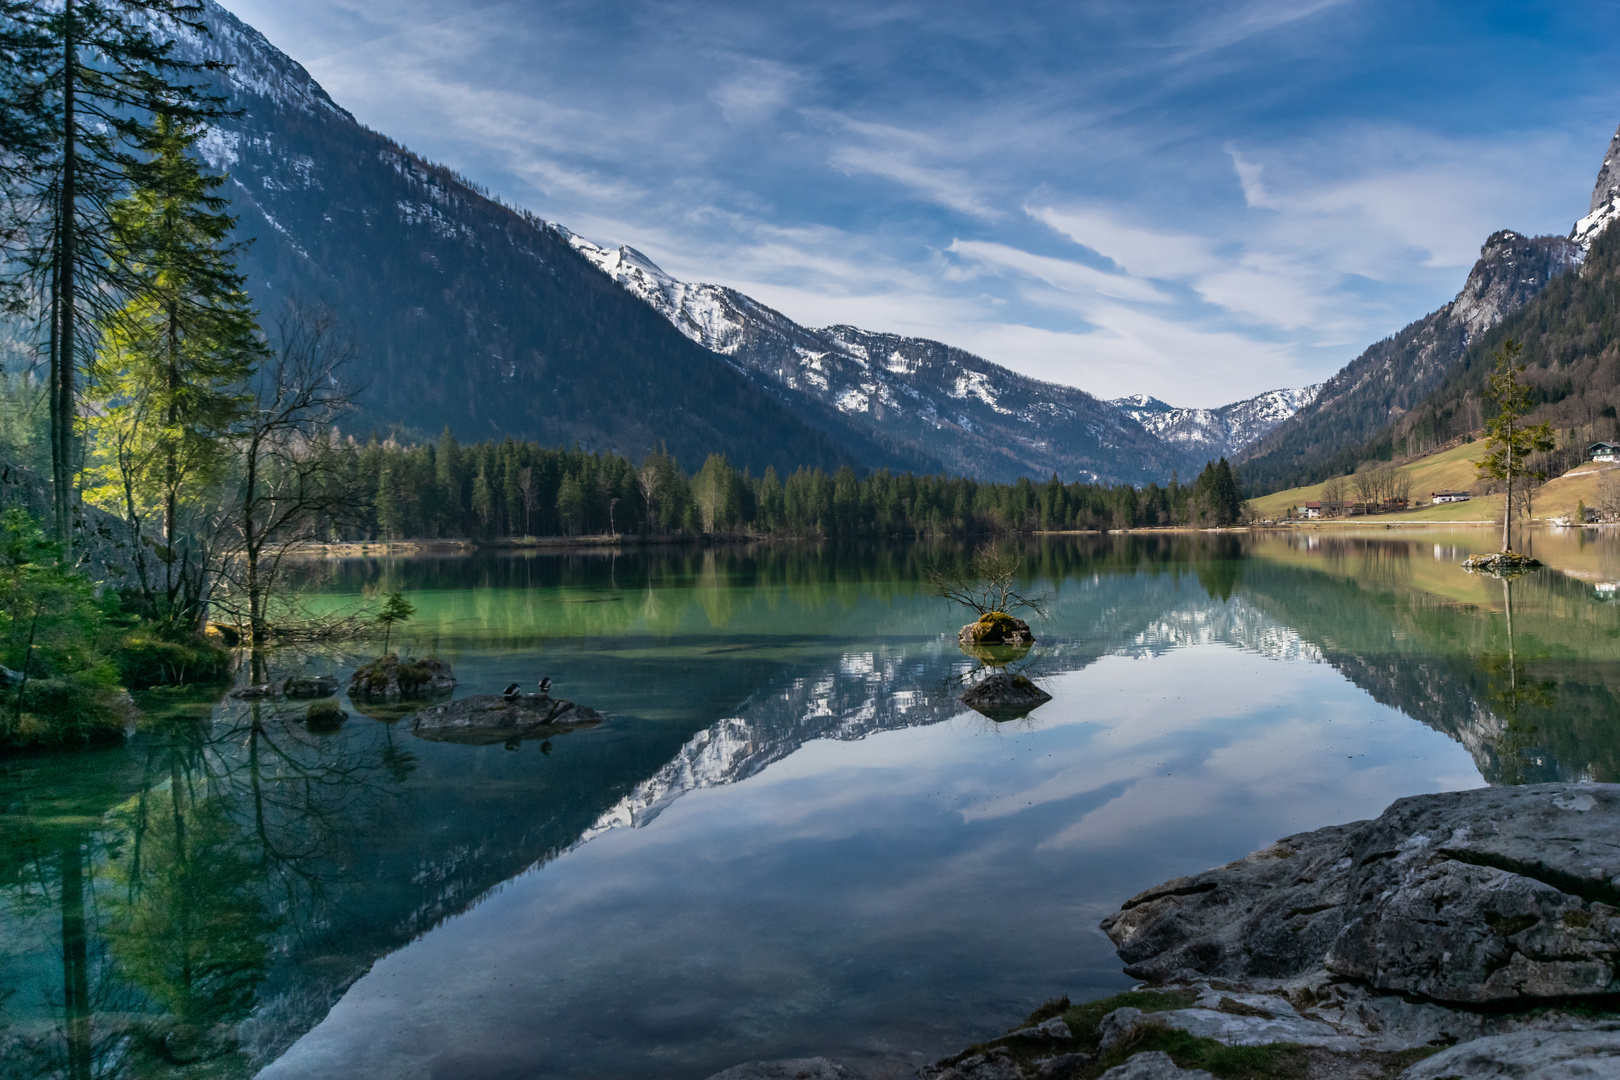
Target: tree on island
1509 442
395 610
988 583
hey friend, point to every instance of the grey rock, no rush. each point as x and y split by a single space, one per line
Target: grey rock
1062 1067
1153 1065
1116 1025
9 677
816 1068
1055 1028
1530 1055
994 1064
490 718
1490 895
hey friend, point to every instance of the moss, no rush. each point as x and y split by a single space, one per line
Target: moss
146 659
1274 1061
324 715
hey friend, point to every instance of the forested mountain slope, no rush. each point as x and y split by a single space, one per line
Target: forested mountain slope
465 312
1396 375
1571 338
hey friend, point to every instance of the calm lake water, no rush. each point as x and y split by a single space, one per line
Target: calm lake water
789 837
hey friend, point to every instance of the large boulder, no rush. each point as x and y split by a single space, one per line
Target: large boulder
386 678
483 719
996 628
1491 896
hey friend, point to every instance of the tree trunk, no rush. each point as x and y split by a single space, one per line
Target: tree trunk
62 434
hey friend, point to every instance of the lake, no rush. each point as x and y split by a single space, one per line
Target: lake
789 837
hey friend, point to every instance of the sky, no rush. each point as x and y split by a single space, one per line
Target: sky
1196 200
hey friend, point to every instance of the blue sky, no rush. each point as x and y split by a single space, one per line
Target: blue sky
1197 200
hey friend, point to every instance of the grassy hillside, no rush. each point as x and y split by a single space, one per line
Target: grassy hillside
1454 470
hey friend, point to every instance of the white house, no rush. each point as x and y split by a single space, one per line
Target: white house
1449 496
1313 509
1603 451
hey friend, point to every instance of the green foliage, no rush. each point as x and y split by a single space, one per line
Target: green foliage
396 609
51 627
511 488
146 659
1509 442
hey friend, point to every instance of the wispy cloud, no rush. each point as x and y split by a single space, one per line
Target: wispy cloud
1210 199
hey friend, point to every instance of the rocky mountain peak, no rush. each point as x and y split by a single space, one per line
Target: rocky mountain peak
1511 269
1605 206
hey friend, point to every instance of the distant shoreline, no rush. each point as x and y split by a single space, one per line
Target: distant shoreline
360 549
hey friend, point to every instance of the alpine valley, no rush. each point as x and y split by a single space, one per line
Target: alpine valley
472 315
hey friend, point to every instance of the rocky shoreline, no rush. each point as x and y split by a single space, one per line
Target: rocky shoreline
1471 933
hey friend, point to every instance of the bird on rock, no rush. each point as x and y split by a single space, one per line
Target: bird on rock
545 685
510 692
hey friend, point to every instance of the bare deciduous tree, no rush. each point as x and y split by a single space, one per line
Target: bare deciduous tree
989 582
292 480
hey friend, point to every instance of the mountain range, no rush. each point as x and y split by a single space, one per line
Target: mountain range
469 314
472 315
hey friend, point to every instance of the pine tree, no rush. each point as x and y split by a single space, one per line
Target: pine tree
1509 443
97 69
176 357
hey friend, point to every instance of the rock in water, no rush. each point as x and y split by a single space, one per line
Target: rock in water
996 628
310 686
1492 896
1004 697
1500 563
386 678
491 718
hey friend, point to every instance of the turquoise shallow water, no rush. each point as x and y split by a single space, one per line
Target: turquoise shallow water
789 837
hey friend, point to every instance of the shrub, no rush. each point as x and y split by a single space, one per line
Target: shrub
146 659
324 715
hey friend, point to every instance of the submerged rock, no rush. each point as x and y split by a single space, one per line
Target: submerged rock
996 628
1004 697
386 678
491 718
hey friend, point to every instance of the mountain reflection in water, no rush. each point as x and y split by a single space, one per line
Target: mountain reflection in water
196 901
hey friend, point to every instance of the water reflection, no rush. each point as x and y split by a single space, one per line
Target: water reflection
201 897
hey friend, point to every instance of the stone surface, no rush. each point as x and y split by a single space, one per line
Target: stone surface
386 678
816 1068
1492 895
1532 1055
491 718
1153 1065
1276 1024
1005 697
997 1063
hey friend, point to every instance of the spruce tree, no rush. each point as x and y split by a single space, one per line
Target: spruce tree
1509 443
176 356
96 69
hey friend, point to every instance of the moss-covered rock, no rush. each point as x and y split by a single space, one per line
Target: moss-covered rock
996 628
388 679
146 659
324 715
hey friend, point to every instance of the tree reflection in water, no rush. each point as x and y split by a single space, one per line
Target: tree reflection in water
172 905
1516 698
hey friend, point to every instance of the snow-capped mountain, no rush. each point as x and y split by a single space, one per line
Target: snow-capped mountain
963 411
1212 433
1605 206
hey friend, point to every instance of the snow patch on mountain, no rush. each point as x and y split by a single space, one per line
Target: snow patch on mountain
1217 432
974 416
1605 205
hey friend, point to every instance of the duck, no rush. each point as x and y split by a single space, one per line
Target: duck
545 685
511 692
